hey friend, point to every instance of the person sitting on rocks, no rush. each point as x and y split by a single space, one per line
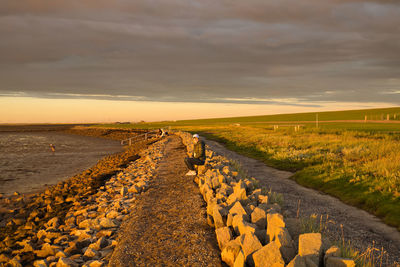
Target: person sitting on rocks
199 155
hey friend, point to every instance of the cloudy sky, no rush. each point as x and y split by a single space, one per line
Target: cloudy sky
205 58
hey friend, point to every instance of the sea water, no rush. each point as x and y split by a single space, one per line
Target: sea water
28 164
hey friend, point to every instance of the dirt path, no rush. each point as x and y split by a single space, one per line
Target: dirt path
167 226
362 228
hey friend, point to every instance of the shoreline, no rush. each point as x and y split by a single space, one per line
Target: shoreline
22 215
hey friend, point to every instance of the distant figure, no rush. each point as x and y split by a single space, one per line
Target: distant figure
53 147
163 132
199 155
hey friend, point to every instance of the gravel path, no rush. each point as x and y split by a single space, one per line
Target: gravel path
361 228
167 226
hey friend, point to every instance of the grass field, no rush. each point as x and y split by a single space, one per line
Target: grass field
354 160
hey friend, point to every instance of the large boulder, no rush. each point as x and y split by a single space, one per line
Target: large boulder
275 222
47 250
339 262
219 214
268 256
286 244
240 260
66 262
224 235
250 244
310 246
259 218
107 223
237 209
298 261
230 252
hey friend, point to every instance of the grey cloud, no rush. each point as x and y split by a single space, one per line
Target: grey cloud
201 50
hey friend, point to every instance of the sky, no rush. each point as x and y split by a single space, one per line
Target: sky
130 60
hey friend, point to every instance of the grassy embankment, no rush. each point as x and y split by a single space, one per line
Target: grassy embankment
357 161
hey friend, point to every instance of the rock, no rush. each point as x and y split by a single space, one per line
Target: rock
218 216
107 233
268 256
210 206
124 191
262 199
241 226
293 225
237 209
102 242
40 263
112 214
339 262
240 260
221 179
201 169
42 234
333 251
13 263
97 263
275 222
81 212
262 236
106 252
224 235
82 243
27 246
4 258
46 251
70 221
85 224
72 249
51 259
215 183
60 254
259 218
310 246
107 223
53 223
210 220
61 239
236 221
274 208
250 244
230 252
91 253
66 262
310 263
226 170
285 243
298 261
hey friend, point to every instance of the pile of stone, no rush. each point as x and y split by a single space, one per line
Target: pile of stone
85 236
250 229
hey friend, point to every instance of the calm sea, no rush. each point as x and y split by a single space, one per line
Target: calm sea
28 164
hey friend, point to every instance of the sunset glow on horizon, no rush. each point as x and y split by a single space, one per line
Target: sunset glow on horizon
36 110
98 60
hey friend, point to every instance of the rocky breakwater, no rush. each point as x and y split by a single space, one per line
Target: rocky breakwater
250 226
75 222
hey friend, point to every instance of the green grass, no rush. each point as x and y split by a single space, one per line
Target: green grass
357 162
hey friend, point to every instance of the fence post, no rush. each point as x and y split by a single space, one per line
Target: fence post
130 141
145 136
